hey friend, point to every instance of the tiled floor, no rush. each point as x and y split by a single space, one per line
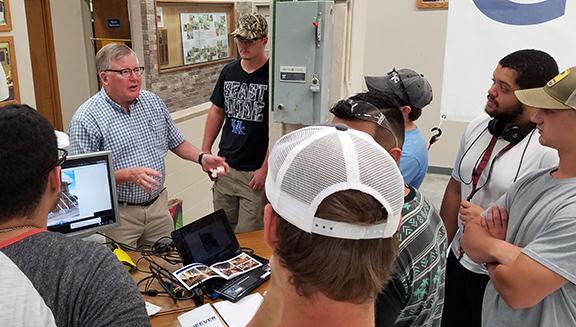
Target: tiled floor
433 188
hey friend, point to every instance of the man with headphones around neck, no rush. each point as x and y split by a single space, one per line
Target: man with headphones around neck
497 149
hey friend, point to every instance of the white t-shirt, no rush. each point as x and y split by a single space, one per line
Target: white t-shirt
526 156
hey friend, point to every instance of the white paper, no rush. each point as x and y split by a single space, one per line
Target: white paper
239 314
204 316
152 309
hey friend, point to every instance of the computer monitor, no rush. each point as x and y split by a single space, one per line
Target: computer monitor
88 200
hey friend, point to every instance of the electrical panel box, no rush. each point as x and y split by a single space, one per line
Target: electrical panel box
302 61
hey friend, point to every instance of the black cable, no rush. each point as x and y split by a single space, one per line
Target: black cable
123 246
523 153
464 155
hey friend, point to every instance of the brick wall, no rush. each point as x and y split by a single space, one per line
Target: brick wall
183 88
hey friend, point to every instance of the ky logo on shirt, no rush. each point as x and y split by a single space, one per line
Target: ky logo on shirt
238 127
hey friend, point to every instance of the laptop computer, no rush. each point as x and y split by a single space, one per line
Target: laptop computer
209 240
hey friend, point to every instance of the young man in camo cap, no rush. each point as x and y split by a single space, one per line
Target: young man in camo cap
240 105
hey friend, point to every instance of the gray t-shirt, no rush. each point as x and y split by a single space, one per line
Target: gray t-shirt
47 279
542 220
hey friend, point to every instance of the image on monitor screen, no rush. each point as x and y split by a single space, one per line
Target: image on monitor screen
88 196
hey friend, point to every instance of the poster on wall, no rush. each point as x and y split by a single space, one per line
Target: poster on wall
481 32
204 37
9 91
5 21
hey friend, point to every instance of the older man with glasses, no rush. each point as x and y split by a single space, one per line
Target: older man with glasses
136 126
240 110
415 294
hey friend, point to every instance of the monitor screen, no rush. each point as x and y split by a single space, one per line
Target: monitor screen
207 240
88 199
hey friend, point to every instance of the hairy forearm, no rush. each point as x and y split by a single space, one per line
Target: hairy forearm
187 151
123 175
482 248
450 207
509 286
504 252
213 125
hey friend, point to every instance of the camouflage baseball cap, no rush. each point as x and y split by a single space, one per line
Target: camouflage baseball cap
251 27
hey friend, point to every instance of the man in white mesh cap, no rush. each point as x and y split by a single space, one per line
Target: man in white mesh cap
335 202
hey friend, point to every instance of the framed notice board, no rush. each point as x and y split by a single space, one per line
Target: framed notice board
191 34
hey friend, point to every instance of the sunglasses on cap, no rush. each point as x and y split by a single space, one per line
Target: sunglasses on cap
362 110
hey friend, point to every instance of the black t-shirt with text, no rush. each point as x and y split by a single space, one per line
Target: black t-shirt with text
244 98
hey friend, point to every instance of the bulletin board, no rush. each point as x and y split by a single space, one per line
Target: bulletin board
192 34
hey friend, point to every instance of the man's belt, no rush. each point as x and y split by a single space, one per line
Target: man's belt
143 204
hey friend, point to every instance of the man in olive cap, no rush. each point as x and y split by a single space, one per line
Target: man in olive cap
240 103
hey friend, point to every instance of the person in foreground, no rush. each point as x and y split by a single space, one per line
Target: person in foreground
135 125
415 294
330 222
527 242
47 279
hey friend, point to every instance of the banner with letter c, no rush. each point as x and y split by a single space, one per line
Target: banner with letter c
481 32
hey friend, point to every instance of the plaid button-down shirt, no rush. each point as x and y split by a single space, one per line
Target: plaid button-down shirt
138 138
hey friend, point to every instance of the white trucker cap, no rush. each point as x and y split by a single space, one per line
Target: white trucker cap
310 164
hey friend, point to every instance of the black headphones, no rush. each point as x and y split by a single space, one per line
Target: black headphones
511 133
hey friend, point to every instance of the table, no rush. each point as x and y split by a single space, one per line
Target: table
167 317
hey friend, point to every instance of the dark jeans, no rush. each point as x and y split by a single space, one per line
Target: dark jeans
463 295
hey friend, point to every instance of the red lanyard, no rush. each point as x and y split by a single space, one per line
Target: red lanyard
484 162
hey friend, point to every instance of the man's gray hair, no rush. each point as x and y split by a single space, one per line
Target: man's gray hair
109 53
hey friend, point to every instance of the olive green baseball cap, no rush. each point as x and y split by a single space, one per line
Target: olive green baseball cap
251 27
558 93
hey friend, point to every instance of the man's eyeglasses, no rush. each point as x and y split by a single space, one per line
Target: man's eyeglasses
246 42
62 154
366 111
127 72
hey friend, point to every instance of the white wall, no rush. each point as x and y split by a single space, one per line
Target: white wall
74 55
185 180
22 52
397 34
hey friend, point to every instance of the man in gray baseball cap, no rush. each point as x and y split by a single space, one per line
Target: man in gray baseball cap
413 92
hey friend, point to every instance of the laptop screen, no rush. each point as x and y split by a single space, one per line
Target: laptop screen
207 240
88 196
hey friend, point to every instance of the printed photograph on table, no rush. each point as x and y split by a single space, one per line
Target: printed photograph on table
9 91
432 4
5 21
193 274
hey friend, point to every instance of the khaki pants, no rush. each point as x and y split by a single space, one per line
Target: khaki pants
243 205
143 226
